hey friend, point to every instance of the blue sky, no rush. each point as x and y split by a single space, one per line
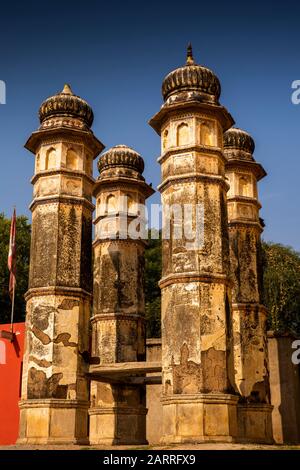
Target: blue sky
115 55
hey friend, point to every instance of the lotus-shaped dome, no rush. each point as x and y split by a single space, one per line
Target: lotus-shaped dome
199 80
238 139
121 156
66 104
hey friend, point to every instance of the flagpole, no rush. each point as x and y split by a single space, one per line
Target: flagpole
12 310
14 284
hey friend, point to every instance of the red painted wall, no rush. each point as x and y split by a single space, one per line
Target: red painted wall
11 357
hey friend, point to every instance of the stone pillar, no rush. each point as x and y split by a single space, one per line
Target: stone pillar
153 395
118 411
55 395
197 401
285 389
249 315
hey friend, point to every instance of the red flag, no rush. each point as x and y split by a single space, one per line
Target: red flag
11 262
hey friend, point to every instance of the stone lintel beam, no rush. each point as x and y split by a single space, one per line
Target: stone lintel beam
203 149
245 223
138 241
63 200
39 137
120 214
193 277
128 380
123 181
247 305
62 171
193 177
217 398
57 290
159 118
103 316
238 164
53 403
247 199
124 368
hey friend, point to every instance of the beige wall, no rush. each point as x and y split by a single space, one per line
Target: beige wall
284 383
285 389
153 394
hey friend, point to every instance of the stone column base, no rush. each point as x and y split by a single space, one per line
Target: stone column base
118 425
53 421
210 417
255 423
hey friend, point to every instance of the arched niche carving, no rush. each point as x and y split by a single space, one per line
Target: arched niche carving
88 165
165 138
111 203
72 160
101 205
206 134
50 162
37 163
130 203
182 134
244 186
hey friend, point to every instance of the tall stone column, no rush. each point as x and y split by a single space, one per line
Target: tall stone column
118 409
197 400
249 315
55 395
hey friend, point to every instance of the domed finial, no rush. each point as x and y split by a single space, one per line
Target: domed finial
66 103
67 90
189 55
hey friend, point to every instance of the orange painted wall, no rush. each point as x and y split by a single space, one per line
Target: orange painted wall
11 357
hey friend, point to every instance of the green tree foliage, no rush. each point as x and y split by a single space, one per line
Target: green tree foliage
282 287
23 249
152 290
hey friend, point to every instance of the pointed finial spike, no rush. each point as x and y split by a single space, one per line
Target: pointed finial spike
67 90
189 55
